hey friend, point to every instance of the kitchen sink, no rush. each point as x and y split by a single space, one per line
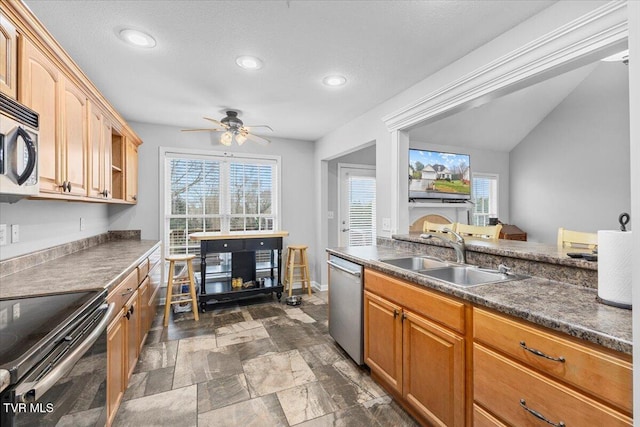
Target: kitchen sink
470 275
416 263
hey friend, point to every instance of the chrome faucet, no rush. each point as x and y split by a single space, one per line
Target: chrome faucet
457 245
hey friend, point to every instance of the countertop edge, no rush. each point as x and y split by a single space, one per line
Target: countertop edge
571 329
116 281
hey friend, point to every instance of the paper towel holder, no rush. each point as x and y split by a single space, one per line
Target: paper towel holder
623 219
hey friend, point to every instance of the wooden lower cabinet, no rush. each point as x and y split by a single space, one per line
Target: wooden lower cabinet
434 370
521 396
420 360
383 339
115 364
128 328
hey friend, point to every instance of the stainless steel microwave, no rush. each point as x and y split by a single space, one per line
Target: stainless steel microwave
18 151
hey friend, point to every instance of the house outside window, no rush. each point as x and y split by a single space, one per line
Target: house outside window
485 198
217 193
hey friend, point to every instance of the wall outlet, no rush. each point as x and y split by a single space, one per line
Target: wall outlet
3 234
15 233
386 224
82 225
330 215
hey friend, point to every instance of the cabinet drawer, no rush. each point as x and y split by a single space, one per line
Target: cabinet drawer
429 304
260 244
482 418
503 386
143 270
225 245
124 290
602 374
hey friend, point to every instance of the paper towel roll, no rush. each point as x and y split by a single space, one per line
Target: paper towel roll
614 267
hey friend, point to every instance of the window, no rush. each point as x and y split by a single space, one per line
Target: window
362 210
217 193
485 198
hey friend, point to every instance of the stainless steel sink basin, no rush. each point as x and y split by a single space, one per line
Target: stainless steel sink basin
416 263
470 276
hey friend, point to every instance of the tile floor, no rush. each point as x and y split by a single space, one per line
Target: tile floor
260 363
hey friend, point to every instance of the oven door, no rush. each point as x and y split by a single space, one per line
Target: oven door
68 387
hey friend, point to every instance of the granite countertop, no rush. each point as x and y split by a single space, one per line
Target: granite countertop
98 267
532 251
556 305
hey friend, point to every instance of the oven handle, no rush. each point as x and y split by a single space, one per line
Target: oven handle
31 162
32 391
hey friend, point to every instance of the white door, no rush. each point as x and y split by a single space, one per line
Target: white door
357 210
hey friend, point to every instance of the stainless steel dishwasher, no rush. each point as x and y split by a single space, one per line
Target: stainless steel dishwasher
345 306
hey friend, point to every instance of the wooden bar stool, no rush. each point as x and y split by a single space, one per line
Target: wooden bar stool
179 281
290 275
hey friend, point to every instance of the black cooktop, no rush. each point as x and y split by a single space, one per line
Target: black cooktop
31 326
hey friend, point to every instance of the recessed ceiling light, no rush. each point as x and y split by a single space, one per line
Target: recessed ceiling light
335 80
249 62
137 38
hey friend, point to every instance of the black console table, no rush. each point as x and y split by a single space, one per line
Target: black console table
216 280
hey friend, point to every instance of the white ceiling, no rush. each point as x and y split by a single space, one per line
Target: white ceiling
502 123
382 47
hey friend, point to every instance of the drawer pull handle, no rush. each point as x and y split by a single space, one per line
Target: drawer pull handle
129 290
538 415
541 354
395 313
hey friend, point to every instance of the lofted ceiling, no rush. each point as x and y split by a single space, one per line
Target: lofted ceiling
502 123
382 47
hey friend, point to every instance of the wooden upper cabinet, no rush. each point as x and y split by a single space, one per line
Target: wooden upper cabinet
99 154
8 58
131 171
40 90
74 126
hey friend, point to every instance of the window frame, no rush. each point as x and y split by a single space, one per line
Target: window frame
164 207
491 176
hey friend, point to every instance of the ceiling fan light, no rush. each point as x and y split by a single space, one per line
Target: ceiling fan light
240 139
249 62
225 138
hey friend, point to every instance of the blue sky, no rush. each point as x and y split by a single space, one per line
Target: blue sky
433 157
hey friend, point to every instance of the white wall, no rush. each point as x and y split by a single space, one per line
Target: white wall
634 111
572 170
365 156
298 211
47 223
482 161
370 127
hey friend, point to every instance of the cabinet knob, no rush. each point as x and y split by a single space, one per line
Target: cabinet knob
69 186
225 245
66 186
104 193
261 243
134 197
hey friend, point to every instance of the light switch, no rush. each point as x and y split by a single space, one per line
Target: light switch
330 215
3 234
15 233
386 224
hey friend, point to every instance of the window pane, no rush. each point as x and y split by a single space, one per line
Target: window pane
266 186
236 191
177 232
178 174
237 224
252 223
362 210
211 188
212 224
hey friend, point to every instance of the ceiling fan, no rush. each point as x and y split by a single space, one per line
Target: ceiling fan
233 128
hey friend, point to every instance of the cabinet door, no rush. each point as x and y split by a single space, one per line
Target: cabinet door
131 172
434 380
133 327
143 303
107 146
40 89
383 339
96 153
8 58
115 364
74 119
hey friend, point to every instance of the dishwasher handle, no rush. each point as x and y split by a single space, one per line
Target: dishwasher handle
356 273
32 391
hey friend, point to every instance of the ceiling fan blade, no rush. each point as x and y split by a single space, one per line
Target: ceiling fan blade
249 127
217 122
257 138
202 130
